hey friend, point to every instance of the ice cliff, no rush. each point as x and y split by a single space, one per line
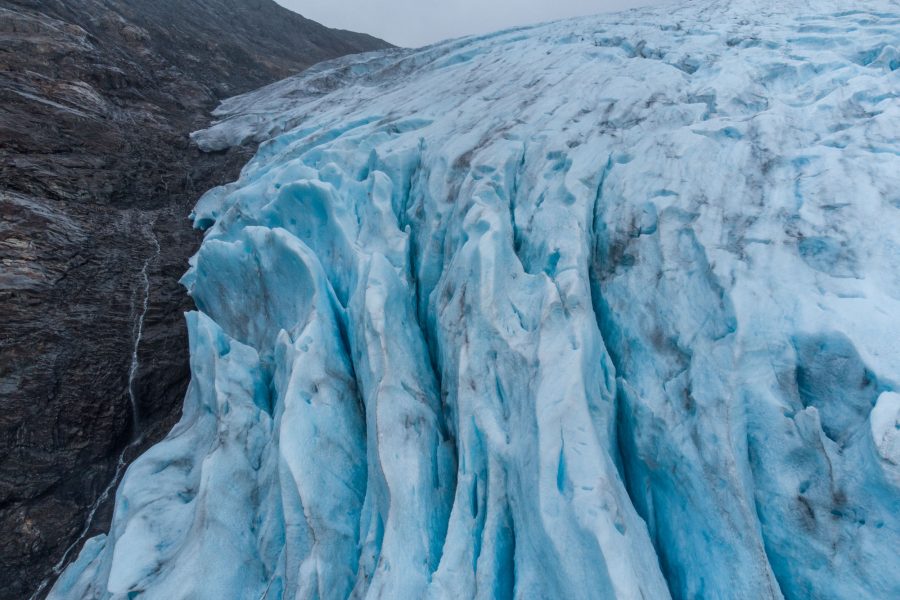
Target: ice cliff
604 308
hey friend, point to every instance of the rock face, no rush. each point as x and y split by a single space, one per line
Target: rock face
97 177
603 308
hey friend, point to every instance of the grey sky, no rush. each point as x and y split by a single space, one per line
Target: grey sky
420 22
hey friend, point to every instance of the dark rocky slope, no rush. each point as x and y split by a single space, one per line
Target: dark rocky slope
97 177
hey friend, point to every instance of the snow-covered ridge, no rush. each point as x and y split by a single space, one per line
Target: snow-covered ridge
605 308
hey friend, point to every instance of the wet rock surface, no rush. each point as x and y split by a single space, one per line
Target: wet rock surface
97 177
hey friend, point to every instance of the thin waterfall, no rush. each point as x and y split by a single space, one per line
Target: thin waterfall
136 438
138 333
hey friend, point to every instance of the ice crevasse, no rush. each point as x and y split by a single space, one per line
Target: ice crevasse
602 308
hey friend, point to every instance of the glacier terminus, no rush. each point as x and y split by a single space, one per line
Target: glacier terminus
601 308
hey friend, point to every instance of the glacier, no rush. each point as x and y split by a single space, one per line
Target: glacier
601 308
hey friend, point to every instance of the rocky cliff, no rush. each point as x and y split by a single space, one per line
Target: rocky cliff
97 177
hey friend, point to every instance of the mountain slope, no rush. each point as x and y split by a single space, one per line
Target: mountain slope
97 175
604 308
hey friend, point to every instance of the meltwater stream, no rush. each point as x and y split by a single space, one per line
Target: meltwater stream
136 437
138 334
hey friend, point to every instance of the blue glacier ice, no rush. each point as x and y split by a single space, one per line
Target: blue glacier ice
603 308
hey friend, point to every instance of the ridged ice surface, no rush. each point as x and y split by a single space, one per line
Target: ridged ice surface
605 308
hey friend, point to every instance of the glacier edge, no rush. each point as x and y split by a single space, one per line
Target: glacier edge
602 308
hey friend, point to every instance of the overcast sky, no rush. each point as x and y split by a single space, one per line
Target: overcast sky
420 22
